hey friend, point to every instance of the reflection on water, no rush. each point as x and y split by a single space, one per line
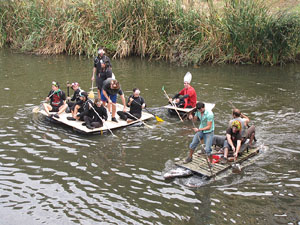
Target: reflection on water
52 175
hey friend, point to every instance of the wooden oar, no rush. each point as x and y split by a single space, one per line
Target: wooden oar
136 118
91 93
167 96
156 117
102 120
140 120
37 109
206 158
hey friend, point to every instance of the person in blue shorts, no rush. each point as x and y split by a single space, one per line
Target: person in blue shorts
111 88
205 131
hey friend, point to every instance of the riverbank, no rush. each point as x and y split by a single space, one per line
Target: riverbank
241 32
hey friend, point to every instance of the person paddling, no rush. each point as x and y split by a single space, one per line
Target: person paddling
188 93
205 131
57 101
136 104
96 116
233 140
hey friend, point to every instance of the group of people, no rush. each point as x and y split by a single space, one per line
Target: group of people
237 133
94 113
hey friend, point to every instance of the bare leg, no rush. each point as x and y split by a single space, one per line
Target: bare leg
74 113
99 93
47 108
114 109
62 109
225 152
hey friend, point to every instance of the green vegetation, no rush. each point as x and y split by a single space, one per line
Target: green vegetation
241 31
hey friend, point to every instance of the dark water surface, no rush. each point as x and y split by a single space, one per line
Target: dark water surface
50 174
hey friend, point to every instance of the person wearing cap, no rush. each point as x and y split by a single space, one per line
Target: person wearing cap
111 87
136 103
102 69
205 131
188 93
96 116
76 96
81 108
57 101
247 132
233 141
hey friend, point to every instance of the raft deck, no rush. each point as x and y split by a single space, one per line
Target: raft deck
208 106
77 125
199 163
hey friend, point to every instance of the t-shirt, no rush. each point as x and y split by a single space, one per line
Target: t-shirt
97 63
109 91
243 128
234 136
208 116
57 99
136 105
192 99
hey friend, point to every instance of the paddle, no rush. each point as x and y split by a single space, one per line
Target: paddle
68 89
167 96
236 167
91 93
156 117
140 120
37 109
102 120
206 158
136 118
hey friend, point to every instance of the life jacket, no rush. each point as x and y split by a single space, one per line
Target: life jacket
56 99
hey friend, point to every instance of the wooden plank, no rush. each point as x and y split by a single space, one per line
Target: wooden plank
77 125
208 106
199 163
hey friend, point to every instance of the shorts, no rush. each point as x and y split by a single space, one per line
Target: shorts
113 98
55 108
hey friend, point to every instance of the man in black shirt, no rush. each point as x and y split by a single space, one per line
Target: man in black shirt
102 69
136 104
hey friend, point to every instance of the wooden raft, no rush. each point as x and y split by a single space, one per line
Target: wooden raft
199 163
77 125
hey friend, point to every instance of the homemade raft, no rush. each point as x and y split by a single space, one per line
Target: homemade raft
77 125
182 111
199 163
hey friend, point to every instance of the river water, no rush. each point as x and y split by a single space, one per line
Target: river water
49 174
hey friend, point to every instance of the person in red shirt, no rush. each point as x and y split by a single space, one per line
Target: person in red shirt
189 96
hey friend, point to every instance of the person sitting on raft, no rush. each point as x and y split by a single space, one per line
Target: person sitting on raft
233 141
57 101
188 93
136 104
96 116
247 132
76 96
82 108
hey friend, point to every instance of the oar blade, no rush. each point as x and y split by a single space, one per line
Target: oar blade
159 119
91 95
36 109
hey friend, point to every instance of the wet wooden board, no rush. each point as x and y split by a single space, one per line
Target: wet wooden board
199 163
208 106
77 125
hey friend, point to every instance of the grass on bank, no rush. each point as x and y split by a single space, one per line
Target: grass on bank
240 31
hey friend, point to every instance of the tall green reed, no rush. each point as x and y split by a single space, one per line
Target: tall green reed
240 32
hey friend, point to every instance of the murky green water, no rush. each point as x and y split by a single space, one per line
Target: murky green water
50 174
